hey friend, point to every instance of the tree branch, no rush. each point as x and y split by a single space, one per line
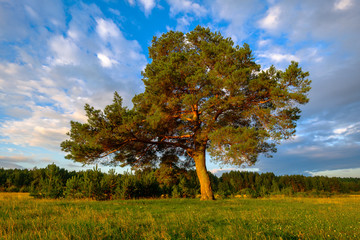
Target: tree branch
118 148
179 137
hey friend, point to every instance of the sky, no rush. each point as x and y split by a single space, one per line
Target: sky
55 56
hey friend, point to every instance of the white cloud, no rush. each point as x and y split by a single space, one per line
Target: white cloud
74 34
183 23
349 130
264 42
269 53
19 160
65 50
340 130
14 161
343 4
313 20
107 29
279 57
185 11
310 55
186 6
240 16
131 2
9 68
344 136
350 172
146 5
116 49
105 61
19 18
44 128
271 21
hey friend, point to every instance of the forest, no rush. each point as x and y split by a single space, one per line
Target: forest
164 182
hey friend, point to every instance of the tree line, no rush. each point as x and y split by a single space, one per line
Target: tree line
56 182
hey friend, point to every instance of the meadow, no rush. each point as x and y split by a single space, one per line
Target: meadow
22 217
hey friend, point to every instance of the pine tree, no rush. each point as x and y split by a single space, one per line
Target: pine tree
202 93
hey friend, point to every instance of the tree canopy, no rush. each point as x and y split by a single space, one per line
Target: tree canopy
202 93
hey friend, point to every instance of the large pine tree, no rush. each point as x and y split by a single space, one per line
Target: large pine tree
202 94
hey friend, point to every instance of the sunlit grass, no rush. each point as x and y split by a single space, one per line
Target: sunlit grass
22 217
8 196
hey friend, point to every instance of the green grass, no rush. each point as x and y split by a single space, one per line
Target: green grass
22 217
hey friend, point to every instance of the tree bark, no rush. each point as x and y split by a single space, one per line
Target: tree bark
200 164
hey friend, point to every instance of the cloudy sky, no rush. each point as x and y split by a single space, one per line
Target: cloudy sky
55 56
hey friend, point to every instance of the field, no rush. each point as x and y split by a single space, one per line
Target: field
22 217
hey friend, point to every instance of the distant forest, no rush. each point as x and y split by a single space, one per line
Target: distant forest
56 182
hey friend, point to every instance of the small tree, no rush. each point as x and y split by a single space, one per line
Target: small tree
74 187
109 183
52 184
93 184
202 93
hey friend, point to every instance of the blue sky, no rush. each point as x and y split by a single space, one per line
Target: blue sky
55 56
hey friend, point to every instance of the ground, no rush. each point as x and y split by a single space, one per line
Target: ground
22 217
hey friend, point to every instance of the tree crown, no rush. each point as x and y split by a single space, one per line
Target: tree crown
201 91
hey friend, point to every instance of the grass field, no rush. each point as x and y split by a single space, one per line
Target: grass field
22 217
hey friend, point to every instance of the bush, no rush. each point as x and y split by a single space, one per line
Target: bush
263 192
249 192
24 189
287 191
12 189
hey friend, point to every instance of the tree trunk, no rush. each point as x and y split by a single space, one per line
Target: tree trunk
200 164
